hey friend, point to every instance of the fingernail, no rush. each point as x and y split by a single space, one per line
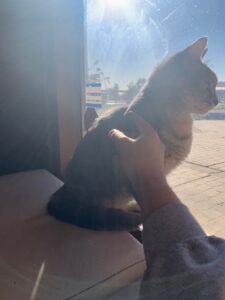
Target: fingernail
111 132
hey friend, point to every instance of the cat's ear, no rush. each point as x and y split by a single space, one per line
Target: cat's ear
198 49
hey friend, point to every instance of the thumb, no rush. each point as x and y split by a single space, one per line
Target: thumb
119 138
117 134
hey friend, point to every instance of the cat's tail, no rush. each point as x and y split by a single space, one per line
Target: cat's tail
68 210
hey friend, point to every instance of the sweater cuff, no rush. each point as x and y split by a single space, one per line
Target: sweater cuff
167 226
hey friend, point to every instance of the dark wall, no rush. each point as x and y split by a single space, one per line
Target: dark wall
25 70
29 85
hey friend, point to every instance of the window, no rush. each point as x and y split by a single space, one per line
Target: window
126 39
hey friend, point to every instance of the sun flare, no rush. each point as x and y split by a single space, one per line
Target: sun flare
117 5
112 10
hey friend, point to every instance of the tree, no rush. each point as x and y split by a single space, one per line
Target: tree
133 89
113 93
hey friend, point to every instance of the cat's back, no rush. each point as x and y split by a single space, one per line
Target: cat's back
96 141
92 163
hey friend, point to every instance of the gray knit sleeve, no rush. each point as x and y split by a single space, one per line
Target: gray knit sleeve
182 262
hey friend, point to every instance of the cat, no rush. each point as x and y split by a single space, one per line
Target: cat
96 194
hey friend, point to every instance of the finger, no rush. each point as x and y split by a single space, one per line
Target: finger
142 126
120 139
115 133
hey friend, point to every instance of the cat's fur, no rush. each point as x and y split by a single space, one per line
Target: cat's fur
96 194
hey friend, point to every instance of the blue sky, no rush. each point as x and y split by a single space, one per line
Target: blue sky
127 39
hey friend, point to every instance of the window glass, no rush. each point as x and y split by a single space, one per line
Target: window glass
127 38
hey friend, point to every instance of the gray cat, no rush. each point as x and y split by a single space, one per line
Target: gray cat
96 194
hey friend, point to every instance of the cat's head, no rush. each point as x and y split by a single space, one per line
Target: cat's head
183 81
190 78
200 81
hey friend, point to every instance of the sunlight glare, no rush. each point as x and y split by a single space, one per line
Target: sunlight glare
37 282
117 5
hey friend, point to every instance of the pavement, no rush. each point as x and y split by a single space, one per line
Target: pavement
200 180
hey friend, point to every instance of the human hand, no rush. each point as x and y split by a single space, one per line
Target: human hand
141 158
142 161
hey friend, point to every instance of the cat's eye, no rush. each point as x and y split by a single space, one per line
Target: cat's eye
210 86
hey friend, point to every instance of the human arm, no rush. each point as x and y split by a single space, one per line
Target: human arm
182 262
